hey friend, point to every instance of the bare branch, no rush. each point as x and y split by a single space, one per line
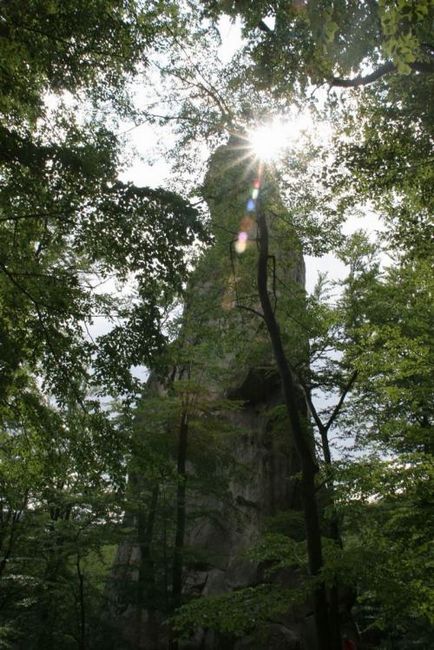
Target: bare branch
264 27
386 68
311 406
324 428
251 310
338 406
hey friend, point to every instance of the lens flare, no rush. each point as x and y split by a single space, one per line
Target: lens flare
247 224
251 205
241 243
269 140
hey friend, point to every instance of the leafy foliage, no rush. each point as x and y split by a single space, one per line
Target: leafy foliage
295 43
68 227
235 613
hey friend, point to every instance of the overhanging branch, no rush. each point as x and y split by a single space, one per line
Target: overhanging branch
386 68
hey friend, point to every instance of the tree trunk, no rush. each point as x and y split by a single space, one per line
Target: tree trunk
302 443
82 606
180 513
180 518
146 580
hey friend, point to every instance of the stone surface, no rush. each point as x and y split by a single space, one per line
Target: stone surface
240 368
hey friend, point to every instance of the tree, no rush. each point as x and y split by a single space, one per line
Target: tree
66 219
383 495
309 467
67 226
179 469
60 488
296 43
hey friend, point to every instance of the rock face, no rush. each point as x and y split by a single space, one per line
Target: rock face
230 358
266 489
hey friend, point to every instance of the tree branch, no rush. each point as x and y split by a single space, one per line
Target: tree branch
264 27
311 406
302 443
386 68
46 331
338 406
251 310
324 428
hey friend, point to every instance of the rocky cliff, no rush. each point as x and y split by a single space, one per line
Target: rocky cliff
225 361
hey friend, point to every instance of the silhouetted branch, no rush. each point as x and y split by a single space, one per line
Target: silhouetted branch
386 68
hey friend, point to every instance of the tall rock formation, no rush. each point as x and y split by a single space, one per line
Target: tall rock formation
221 394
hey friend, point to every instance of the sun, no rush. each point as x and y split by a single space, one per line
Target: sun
269 140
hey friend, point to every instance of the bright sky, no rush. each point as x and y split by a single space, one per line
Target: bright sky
148 168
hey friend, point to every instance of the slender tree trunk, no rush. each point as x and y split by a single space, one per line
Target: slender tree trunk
180 518
335 618
303 446
9 546
334 529
9 520
82 606
146 579
145 532
165 557
55 568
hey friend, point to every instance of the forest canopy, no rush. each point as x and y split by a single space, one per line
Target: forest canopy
196 282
